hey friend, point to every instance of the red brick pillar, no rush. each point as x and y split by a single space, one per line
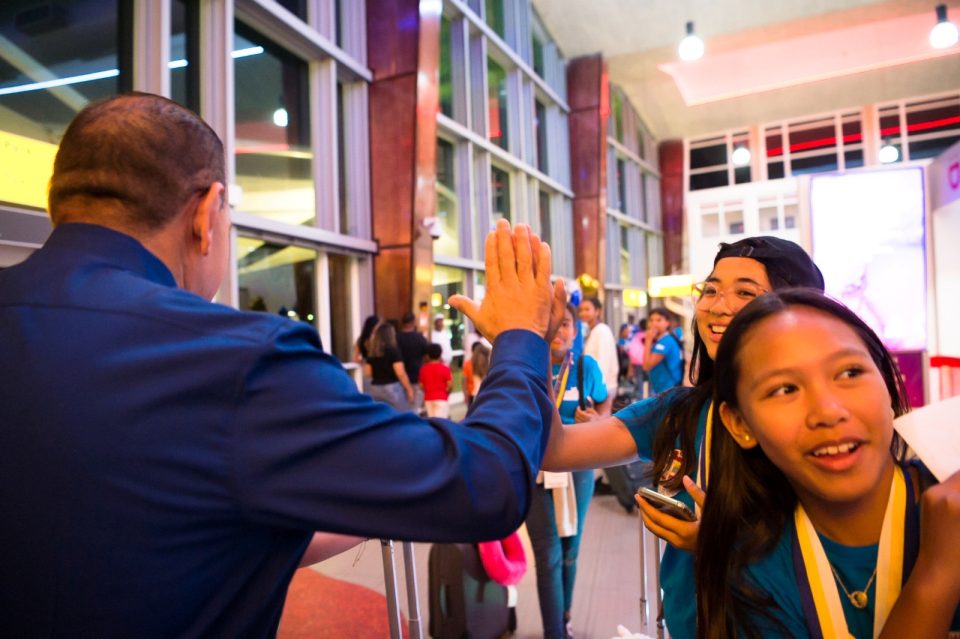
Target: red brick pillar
588 92
403 51
671 199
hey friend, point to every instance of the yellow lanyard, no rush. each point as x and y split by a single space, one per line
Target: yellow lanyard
561 388
703 465
823 587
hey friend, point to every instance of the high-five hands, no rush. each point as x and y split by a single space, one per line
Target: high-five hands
518 289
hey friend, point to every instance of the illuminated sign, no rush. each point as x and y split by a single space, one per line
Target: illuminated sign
25 168
670 285
634 298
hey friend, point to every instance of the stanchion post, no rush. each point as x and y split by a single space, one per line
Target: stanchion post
390 587
413 598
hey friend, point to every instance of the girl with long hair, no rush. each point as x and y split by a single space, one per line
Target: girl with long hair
671 429
384 366
361 346
813 524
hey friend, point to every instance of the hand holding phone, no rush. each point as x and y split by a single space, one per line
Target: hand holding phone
668 505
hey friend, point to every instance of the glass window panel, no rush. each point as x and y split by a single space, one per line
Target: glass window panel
890 123
704 156
774 142
184 53
616 112
708 180
495 16
790 212
621 204
711 224
815 164
497 103
769 217
500 187
853 159
734 220
545 228
741 174
342 196
625 255
273 151
449 281
538 56
75 43
939 116
775 170
852 133
279 279
448 213
296 7
446 68
920 149
540 125
807 136
341 307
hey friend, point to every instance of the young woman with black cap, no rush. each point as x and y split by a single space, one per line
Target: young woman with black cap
673 430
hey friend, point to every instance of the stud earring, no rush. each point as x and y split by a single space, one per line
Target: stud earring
746 438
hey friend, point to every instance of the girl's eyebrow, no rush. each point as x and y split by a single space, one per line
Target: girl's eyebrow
786 370
714 278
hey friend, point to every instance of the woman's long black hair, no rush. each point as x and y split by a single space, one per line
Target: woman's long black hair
750 499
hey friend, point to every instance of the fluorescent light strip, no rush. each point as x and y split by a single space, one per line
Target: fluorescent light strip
109 73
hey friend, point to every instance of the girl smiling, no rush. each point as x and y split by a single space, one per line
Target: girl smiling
809 493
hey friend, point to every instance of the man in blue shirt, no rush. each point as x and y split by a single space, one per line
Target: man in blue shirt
663 360
166 460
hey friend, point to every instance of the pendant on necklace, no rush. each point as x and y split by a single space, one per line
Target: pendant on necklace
859 599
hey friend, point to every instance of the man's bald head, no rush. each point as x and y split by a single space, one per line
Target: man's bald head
133 160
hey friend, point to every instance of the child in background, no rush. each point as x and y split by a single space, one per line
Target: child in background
436 381
836 545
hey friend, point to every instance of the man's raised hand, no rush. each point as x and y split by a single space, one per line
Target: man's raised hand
518 289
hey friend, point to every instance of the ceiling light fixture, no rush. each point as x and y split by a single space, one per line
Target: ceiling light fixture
691 47
741 155
944 34
888 153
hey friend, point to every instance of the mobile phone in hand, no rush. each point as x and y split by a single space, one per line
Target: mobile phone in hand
669 505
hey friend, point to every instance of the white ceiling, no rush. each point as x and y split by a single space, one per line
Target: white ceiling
638 36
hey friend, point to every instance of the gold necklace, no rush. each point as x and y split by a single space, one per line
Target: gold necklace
858 598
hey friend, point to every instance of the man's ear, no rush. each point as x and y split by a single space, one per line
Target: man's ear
737 426
205 215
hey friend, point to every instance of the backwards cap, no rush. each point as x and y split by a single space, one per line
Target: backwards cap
787 264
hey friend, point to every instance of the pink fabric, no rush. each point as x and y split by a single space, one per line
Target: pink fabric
504 560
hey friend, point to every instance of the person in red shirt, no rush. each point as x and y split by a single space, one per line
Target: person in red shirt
436 381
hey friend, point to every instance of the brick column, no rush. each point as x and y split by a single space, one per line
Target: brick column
403 52
588 92
671 198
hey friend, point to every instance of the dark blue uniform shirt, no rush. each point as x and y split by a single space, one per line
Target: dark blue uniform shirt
164 460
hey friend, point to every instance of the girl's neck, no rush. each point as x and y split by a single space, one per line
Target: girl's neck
557 360
853 523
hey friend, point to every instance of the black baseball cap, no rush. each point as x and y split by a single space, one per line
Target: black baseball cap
787 264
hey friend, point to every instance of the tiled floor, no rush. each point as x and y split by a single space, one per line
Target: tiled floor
607 591
607 588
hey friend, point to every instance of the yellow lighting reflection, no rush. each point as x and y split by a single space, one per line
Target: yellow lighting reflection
670 285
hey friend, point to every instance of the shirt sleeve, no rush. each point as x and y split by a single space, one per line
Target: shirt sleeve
660 347
310 452
643 418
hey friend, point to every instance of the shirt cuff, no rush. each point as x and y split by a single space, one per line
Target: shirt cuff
521 348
